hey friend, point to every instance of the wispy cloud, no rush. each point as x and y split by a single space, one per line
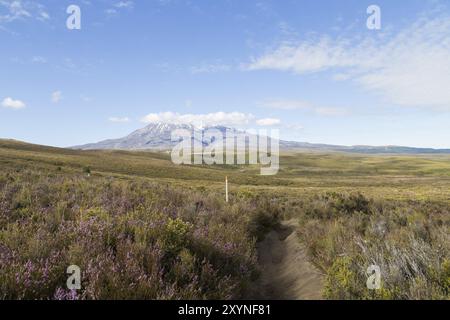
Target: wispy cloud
268 122
38 59
409 68
43 15
22 10
294 127
119 119
331 111
287 104
56 96
304 105
111 11
119 6
124 4
210 68
15 10
85 98
13 104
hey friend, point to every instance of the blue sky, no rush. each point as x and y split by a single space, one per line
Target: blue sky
312 69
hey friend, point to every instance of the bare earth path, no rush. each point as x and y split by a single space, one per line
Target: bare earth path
286 272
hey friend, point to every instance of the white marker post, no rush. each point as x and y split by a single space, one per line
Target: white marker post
226 188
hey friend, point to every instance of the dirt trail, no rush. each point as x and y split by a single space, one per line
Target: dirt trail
286 272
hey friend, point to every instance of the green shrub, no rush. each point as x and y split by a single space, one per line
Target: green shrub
175 235
340 281
266 217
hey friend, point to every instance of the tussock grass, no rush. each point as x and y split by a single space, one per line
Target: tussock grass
409 241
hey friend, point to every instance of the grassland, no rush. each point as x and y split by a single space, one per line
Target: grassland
170 227
394 177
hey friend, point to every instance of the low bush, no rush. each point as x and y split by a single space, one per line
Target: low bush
409 241
131 239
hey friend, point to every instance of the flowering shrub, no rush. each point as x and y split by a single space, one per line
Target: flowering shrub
131 240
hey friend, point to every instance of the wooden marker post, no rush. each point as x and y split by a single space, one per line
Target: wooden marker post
226 189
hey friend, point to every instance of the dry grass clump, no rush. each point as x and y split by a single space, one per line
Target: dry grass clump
410 242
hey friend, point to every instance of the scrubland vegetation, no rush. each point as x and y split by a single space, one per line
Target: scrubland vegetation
141 228
409 241
131 239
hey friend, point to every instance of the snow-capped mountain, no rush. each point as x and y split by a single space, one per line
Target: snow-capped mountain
153 136
158 136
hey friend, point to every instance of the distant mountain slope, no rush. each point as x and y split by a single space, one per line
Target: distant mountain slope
157 136
154 136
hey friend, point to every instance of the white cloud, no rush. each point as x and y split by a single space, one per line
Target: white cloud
13 104
43 16
210 68
287 104
56 96
124 4
119 119
119 6
295 127
210 119
21 10
330 111
268 122
85 98
408 68
111 11
15 10
38 59
304 105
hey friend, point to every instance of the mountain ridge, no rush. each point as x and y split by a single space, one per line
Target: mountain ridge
157 136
